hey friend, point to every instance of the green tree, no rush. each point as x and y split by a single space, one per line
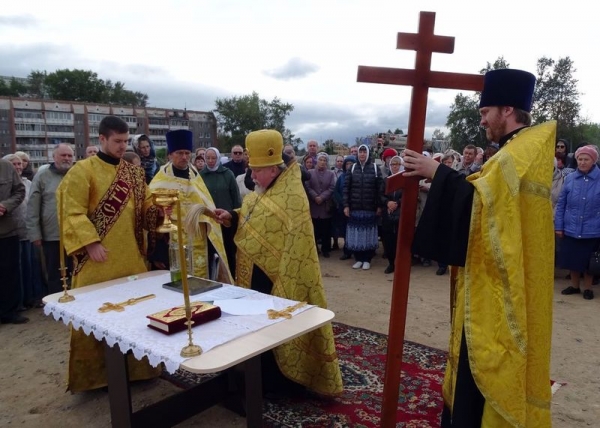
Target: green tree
13 88
76 85
238 116
329 147
398 131
161 155
86 86
463 122
36 82
556 96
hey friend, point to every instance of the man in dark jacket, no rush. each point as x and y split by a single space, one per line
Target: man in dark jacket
12 194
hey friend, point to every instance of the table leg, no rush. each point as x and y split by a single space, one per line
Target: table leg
119 394
254 398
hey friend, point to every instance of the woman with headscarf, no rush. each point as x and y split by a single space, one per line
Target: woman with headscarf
225 193
576 220
338 196
144 148
319 189
362 206
390 215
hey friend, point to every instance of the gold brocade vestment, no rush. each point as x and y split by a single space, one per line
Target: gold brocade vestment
275 233
83 187
504 293
194 191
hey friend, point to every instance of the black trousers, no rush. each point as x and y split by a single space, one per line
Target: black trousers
10 285
467 409
322 228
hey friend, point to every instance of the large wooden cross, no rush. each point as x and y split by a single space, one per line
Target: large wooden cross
421 79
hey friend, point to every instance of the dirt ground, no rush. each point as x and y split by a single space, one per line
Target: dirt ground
34 356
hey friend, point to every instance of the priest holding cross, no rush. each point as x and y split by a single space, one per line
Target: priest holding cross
497 226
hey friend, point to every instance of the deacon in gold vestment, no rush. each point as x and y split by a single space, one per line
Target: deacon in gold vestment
180 175
498 224
277 255
106 205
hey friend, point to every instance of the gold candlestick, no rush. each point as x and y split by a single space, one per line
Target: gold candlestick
66 297
190 350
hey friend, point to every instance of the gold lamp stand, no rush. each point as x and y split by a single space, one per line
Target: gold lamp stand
167 198
66 297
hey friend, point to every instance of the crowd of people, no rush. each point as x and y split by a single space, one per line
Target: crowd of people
271 215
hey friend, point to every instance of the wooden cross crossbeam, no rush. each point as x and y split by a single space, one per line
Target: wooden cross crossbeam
421 79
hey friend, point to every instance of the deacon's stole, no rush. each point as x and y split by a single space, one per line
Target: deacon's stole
89 216
194 191
125 184
275 233
504 293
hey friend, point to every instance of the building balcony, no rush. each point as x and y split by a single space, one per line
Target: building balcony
176 127
157 126
66 122
27 133
27 147
29 120
61 135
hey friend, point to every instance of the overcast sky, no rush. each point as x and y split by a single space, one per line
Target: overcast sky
187 53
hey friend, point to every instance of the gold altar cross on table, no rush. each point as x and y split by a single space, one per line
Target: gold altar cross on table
120 307
421 79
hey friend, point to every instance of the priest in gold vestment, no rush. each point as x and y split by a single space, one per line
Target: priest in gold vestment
497 225
276 254
106 206
180 175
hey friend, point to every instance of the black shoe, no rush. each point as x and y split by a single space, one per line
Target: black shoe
326 255
441 271
389 269
571 290
345 257
17 319
588 294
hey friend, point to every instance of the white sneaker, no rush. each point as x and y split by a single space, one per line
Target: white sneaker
357 265
366 266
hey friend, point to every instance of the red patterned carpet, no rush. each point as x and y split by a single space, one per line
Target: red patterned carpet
362 357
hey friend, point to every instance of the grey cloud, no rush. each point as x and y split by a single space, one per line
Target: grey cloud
295 68
345 123
17 21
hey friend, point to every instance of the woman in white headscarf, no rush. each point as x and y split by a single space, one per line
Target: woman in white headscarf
362 206
225 193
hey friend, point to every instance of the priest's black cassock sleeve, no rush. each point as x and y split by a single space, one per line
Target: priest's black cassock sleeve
443 230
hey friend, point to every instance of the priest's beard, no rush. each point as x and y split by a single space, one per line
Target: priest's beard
259 189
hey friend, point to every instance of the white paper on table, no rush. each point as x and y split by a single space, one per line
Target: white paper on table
245 306
224 293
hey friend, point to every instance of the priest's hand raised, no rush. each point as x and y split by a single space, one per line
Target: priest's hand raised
418 165
97 252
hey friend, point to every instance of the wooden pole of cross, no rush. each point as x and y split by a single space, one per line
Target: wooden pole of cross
421 79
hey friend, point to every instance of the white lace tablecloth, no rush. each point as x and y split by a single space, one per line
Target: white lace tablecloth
129 329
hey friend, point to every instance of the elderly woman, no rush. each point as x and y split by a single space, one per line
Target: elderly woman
30 268
576 220
225 193
319 188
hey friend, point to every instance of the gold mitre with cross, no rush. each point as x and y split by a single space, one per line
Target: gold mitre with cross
264 148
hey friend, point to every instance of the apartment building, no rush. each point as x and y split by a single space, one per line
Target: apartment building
37 126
